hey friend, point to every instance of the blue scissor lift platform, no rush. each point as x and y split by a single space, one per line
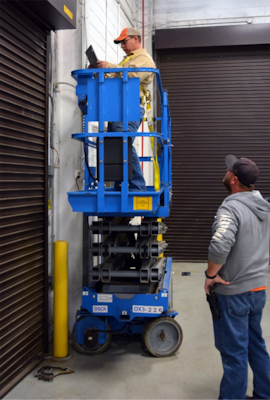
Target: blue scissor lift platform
130 290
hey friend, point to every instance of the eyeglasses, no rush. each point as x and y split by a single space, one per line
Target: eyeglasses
125 40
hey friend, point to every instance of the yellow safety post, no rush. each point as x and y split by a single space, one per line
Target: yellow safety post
60 316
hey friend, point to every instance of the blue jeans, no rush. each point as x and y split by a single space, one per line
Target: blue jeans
137 183
238 337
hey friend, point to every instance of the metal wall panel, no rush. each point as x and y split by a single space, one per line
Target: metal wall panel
220 104
23 166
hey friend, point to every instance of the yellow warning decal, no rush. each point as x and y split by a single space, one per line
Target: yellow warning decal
142 203
68 12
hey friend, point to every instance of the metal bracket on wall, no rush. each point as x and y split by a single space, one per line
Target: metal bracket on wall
51 170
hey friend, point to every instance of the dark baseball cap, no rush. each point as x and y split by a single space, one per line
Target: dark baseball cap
245 169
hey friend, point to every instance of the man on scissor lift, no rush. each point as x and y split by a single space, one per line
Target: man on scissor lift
130 41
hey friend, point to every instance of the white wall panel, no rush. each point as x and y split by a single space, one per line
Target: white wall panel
221 4
112 10
175 13
262 3
128 9
124 21
104 21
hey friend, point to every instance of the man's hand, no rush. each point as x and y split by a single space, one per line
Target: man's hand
209 283
102 64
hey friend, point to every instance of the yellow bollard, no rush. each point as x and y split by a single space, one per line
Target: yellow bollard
60 314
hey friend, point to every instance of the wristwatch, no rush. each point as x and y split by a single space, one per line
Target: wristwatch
209 277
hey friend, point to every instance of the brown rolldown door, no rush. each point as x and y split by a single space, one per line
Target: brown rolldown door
23 161
220 104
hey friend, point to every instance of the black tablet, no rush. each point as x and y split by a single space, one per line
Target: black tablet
91 55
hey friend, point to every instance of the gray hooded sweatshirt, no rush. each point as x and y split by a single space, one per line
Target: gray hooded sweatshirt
240 242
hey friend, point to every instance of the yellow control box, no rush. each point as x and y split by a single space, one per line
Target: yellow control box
142 203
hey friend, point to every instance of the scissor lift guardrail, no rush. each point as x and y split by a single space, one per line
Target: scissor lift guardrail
103 99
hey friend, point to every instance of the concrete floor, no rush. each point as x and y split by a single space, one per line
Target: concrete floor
125 371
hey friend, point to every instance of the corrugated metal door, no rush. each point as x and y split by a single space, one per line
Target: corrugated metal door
23 160
220 104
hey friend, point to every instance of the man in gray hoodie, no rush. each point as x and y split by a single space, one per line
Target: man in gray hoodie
237 273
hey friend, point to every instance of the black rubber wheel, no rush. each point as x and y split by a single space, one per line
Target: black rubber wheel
98 349
162 336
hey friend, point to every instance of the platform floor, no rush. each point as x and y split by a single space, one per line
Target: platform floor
125 371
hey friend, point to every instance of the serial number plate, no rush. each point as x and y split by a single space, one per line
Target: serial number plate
147 309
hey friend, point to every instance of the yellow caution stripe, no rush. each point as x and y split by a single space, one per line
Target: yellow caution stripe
68 12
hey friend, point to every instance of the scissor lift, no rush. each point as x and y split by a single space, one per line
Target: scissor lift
130 290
